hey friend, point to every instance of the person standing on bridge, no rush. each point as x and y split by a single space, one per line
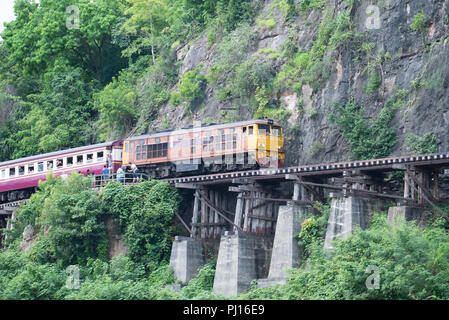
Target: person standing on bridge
120 174
135 172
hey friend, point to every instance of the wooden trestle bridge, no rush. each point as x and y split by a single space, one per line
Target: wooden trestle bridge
248 201
260 192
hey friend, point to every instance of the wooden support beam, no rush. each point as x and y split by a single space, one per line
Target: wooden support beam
441 212
195 214
183 185
207 202
421 187
262 217
300 202
183 223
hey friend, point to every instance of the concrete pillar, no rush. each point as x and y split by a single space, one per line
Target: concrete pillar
346 214
186 258
241 259
407 213
286 253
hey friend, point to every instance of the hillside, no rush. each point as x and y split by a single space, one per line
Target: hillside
346 80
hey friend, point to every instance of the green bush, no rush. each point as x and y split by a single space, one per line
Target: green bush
421 145
367 139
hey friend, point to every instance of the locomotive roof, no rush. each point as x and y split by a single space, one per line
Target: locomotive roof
59 152
202 128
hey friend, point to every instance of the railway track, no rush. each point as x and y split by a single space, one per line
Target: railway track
385 164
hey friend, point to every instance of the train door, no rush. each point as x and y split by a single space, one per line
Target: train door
125 153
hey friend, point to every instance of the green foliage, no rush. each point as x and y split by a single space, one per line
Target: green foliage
190 88
311 4
367 139
419 23
145 212
421 145
201 286
374 82
413 264
117 104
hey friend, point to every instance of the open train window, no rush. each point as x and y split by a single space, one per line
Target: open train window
250 130
69 161
100 156
79 160
50 165
12 172
90 158
244 130
40 166
31 168
264 129
21 170
3 174
59 163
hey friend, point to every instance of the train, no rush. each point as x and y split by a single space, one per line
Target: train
204 149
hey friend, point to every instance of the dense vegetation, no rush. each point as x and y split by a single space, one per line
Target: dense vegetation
68 219
64 84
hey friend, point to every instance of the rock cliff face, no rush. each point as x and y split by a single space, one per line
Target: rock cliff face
398 47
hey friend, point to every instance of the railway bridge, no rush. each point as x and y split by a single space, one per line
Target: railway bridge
253 217
250 219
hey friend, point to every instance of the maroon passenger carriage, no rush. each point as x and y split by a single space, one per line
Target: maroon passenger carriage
20 177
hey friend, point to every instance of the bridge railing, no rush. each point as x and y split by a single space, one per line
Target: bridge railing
99 181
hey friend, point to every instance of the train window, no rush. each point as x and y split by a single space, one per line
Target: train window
141 141
126 147
180 137
196 135
204 148
229 145
69 161
30 168
79 160
276 131
192 150
229 137
157 140
144 152
50 165
250 130
218 146
100 156
12 172
131 146
90 158
138 153
244 130
234 144
40 166
208 133
231 130
264 129
234 137
211 147
3 174
211 139
221 131
21 170
59 163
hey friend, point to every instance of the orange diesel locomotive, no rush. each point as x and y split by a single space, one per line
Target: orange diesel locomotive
207 149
